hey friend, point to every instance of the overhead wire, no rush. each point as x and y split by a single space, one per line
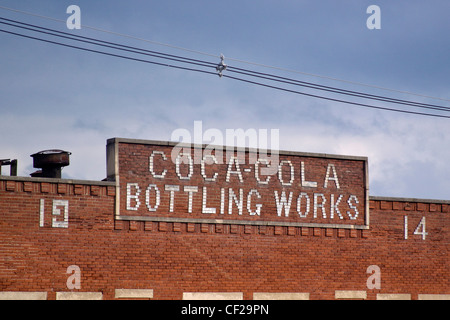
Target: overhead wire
228 58
107 53
311 85
196 62
103 43
337 79
112 33
266 76
336 100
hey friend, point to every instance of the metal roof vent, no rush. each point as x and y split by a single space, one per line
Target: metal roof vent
51 162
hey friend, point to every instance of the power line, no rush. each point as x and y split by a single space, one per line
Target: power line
336 90
202 63
337 79
113 33
336 100
228 58
189 61
108 54
108 44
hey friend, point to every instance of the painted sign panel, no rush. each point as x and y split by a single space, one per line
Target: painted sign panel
166 181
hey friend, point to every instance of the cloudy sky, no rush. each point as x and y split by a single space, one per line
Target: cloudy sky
54 97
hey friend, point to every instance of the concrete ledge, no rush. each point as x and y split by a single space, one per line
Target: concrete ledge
280 296
133 293
349 294
53 180
213 296
20 295
434 296
79 296
393 296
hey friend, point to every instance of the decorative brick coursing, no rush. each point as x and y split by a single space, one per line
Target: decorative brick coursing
61 188
168 227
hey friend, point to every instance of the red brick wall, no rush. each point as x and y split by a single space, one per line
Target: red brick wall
175 257
35 258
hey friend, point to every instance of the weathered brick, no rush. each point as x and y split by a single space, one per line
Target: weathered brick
62 188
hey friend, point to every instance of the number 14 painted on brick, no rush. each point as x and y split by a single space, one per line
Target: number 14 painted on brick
420 229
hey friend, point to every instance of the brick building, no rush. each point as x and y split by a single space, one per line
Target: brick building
182 223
